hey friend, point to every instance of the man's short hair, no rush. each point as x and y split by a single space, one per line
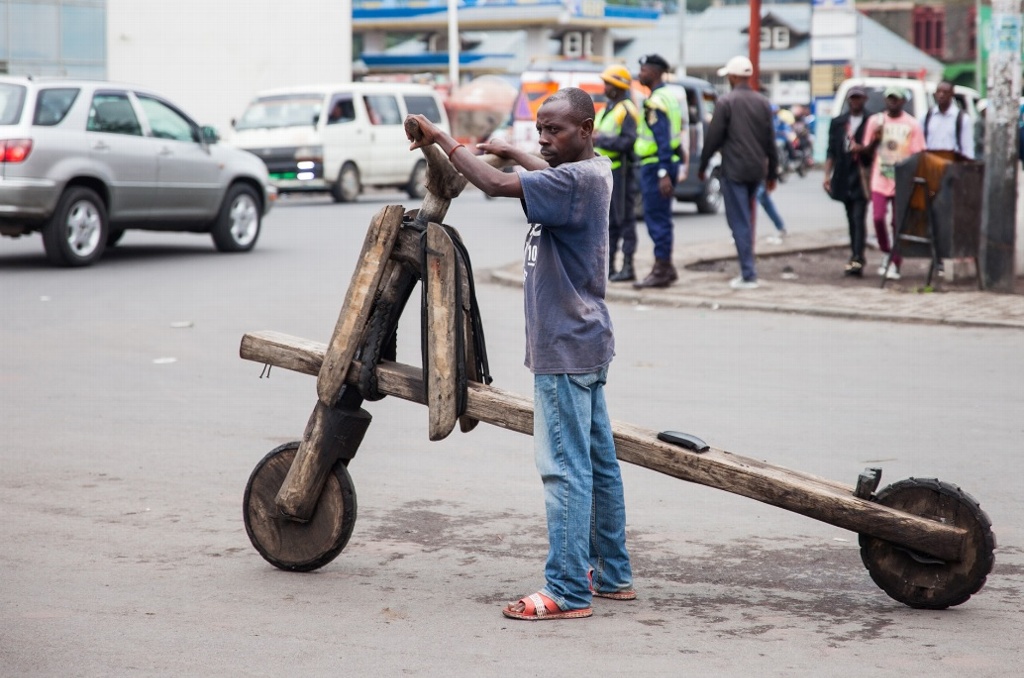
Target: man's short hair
655 60
579 101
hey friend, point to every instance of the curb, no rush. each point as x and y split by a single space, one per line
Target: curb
699 290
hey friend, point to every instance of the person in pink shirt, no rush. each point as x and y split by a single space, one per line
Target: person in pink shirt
894 136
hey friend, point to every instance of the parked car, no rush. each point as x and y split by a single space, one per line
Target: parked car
697 100
83 161
339 138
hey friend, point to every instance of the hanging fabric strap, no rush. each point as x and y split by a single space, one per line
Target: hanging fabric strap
462 265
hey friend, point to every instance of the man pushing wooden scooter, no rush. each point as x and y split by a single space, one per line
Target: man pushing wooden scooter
926 543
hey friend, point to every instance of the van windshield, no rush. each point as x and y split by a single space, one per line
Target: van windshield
285 110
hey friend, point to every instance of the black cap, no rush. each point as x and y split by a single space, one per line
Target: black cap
654 60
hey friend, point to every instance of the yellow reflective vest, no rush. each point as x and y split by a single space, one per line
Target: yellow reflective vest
609 122
646 148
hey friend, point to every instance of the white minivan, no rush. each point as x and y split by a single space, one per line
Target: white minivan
339 138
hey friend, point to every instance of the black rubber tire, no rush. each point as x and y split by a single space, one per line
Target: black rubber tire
238 225
922 582
710 201
347 187
288 544
114 237
417 186
76 234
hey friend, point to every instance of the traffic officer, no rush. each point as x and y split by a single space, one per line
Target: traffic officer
658 148
614 137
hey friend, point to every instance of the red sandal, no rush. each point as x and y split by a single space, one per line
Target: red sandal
538 607
628 594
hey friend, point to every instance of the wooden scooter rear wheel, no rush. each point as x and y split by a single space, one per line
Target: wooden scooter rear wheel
918 580
289 544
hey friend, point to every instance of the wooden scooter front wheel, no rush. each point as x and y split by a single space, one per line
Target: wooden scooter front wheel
284 542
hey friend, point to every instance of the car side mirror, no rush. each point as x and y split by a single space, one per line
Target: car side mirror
210 135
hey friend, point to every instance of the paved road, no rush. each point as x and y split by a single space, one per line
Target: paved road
130 428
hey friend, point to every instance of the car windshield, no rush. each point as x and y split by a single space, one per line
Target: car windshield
289 110
12 98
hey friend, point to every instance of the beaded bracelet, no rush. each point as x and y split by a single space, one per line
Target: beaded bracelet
455 148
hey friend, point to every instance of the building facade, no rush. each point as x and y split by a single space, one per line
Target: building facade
53 38
944 29
209 57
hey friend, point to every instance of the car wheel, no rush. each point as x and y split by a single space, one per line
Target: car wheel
238 225
710 200
346 188
417 186
76 234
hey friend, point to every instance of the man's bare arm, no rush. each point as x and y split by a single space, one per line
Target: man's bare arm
502 149
491 181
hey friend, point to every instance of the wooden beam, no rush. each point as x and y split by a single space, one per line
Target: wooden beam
332 433
442 375
376 252
803 493
316 454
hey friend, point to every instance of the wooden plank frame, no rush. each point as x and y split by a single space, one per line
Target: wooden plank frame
803 493
380 240
442 359
313 460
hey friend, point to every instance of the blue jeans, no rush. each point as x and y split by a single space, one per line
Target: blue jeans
583 498
739 212
765 198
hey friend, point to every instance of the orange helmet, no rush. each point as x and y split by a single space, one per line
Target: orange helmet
617 76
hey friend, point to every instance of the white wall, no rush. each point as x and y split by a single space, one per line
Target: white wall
211 56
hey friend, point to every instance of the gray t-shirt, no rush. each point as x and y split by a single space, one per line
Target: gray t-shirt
568 329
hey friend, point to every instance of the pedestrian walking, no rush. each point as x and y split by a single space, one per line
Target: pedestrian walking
743 130
658 150
614 137
946 126
764 198
893 136
569 346
846 172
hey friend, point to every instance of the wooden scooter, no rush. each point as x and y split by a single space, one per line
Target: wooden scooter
926 543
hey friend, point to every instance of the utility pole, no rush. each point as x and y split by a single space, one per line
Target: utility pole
755 44
999 202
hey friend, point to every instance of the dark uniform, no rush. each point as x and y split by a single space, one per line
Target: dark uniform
614 136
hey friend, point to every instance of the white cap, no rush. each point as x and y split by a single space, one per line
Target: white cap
738 65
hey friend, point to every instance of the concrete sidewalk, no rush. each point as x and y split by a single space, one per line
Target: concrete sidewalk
701 289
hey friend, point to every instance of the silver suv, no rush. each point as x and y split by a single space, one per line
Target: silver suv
82 161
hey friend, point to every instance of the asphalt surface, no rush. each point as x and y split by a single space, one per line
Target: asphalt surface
130 427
